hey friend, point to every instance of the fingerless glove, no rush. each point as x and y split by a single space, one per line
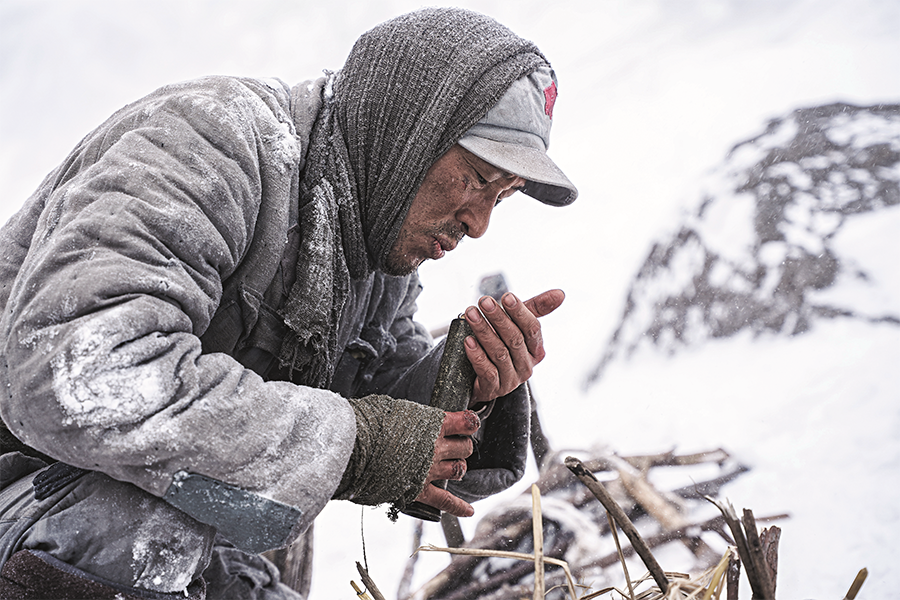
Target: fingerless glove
393 451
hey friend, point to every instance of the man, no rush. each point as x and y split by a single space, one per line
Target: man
207 325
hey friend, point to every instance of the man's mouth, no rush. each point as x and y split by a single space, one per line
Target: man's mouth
440 246
437 249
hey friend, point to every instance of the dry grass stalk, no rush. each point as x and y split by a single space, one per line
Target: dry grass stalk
717 581
857 583
615 535
537 523
360 592
502 554
708 585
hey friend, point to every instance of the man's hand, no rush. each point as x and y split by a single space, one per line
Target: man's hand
507 343
453 446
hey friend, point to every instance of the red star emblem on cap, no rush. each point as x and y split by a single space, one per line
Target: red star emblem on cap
549 99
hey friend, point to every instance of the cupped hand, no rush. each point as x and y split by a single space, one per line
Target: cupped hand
507 341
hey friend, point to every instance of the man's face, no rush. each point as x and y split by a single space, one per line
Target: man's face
456 199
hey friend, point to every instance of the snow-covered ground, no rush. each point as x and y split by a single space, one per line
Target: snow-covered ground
653 93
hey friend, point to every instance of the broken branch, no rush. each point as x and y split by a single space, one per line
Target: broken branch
367 581
596 488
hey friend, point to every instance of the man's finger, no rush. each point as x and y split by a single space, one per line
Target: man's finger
464 422
453 448
451 470
500 336
524 330
445 501
487 380
545 303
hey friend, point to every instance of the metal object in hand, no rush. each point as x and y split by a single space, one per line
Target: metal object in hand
452 392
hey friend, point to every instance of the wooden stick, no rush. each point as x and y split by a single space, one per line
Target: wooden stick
710 487
570 581
554 475
659 539
404 590
596 488
666 459
740 541
734 577
452 530
756 556
769 538
537 523
647 496
659 507
367 581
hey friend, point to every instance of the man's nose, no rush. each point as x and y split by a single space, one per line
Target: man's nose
476 216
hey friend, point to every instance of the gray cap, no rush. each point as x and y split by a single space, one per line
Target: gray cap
515 134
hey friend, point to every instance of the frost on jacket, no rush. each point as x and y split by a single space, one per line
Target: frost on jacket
115 267
113 271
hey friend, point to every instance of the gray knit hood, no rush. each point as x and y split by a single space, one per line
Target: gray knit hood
410 88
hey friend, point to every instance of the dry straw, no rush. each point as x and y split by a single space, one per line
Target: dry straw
706 586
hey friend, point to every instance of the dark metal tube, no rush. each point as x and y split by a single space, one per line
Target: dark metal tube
452 392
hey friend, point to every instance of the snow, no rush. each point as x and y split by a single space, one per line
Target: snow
159 566
863 243
864 133
88 378
652 94
727 227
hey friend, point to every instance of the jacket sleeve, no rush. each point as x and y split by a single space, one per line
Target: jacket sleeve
136 232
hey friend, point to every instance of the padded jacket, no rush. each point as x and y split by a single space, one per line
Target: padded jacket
140 287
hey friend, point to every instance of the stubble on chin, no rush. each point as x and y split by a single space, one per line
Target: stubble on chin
399 262
400 266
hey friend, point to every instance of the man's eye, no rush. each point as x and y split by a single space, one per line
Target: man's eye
504 195
481 180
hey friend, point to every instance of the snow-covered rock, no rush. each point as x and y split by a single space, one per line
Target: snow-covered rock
786 232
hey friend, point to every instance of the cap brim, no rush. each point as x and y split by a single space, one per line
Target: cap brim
546 182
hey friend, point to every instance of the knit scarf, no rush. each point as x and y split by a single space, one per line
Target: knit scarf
409 90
